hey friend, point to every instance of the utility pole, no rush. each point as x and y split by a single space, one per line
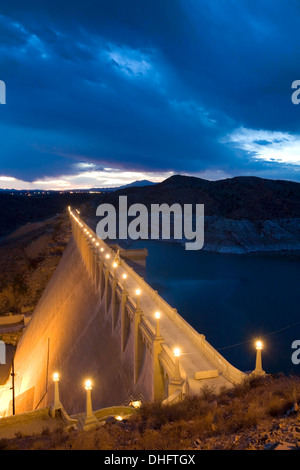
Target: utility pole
13 385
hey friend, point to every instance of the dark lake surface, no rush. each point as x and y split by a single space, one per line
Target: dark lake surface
233 299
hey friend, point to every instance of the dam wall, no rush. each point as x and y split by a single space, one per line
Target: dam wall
96 320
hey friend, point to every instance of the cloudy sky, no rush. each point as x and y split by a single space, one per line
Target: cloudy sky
102 93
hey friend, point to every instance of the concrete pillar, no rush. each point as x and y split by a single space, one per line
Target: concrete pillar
123 319
137 347
176 382
56 404
90 419
158 378
106 287
101 286
113 301
258 363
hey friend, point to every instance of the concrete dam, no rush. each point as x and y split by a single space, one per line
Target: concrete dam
97 319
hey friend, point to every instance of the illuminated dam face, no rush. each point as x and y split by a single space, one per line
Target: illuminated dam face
99 319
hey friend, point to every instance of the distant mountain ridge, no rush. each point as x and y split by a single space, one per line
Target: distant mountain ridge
240 197
135 184
242 214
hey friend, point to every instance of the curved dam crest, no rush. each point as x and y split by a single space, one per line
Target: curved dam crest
89 324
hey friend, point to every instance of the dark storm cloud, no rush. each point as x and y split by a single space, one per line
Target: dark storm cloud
152 85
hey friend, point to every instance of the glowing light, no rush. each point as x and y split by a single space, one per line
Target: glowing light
115 265
101 249
119 418
177 352
88 385
157 315
136 404
55 377
97 244
107 256
124 276
138 292
259 345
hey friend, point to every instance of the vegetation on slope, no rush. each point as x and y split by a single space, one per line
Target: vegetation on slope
262 413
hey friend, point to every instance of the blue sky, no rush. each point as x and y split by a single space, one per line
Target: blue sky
101 93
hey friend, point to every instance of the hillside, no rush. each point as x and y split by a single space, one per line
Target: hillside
242 214
260 414
19 209
30 254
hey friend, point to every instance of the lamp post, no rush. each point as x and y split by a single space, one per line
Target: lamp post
117 258
56 405
258 363
138 293
13 386
157 316
177 354
177 382
90 419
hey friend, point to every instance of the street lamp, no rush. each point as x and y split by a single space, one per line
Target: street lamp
138 293
157 316
177 354
90 419
56 405
258 363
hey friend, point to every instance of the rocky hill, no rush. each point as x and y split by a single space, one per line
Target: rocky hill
242 214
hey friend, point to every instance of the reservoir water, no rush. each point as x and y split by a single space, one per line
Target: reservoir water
233 300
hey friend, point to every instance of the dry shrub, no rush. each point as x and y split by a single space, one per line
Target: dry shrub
178 426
